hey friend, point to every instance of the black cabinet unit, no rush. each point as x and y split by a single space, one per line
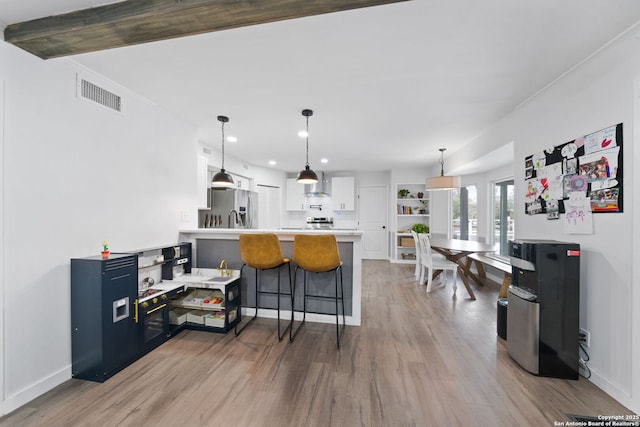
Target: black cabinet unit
174 256
543 307
104 332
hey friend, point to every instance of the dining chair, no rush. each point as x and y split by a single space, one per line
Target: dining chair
418 272
419 255
433 263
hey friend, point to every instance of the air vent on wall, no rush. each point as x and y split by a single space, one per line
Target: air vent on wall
100 95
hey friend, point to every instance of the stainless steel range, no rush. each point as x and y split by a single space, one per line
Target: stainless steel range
319 223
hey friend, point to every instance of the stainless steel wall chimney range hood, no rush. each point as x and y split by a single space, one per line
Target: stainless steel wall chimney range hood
319 189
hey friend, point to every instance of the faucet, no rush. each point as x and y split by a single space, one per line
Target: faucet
237 217
224 270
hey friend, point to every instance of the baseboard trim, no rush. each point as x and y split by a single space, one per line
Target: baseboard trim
286 314
33 391
623 397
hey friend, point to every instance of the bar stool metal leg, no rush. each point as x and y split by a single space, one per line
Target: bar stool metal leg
257 305
340 334
290 324
235 329
292 332
339 300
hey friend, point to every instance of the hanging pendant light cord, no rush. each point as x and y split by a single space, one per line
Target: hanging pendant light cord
222 145
307 141
442 161
307 176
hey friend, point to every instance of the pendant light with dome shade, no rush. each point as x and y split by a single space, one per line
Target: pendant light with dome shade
307 175
442 182
222 180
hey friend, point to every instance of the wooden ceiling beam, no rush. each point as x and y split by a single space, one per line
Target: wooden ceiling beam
140 21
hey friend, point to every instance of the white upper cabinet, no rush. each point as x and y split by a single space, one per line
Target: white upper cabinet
343 190
295 195
240 182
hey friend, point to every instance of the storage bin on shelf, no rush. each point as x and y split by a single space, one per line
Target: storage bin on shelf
197 316
215 318
208 299
216 300
178 316
407 242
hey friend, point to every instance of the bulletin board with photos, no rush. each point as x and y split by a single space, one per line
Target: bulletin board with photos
589 166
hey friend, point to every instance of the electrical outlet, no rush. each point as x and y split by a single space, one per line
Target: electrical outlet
587 337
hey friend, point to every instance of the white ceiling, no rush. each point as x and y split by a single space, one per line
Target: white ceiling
389 85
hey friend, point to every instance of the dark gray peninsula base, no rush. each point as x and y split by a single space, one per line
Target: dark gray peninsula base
211 246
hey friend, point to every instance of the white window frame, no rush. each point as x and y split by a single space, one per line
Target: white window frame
451 198
492 215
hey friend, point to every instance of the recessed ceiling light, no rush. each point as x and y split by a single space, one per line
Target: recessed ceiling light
272 162
232 139
324 160
303 134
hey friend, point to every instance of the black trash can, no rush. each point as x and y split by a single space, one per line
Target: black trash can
502 318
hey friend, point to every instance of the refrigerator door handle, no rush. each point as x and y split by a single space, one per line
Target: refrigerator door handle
249 216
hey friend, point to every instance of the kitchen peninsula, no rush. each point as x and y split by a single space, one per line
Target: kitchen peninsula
211 246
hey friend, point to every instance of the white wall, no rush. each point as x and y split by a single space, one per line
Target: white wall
2 244
75 174
597 94
370 177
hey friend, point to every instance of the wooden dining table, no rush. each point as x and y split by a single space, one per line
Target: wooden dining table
457 250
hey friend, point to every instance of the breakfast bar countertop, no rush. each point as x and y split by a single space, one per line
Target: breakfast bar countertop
234 232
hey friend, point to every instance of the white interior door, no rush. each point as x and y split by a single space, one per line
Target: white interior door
373 219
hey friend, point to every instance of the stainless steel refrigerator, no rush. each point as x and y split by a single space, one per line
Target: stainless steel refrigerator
234 208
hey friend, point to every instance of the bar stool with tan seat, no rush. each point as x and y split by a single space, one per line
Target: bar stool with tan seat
317 253
261 251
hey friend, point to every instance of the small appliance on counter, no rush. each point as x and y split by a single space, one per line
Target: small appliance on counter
319 223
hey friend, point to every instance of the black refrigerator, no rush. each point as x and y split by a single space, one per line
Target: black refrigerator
104 333
544 307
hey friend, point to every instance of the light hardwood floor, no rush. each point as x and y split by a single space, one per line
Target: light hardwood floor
417 360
